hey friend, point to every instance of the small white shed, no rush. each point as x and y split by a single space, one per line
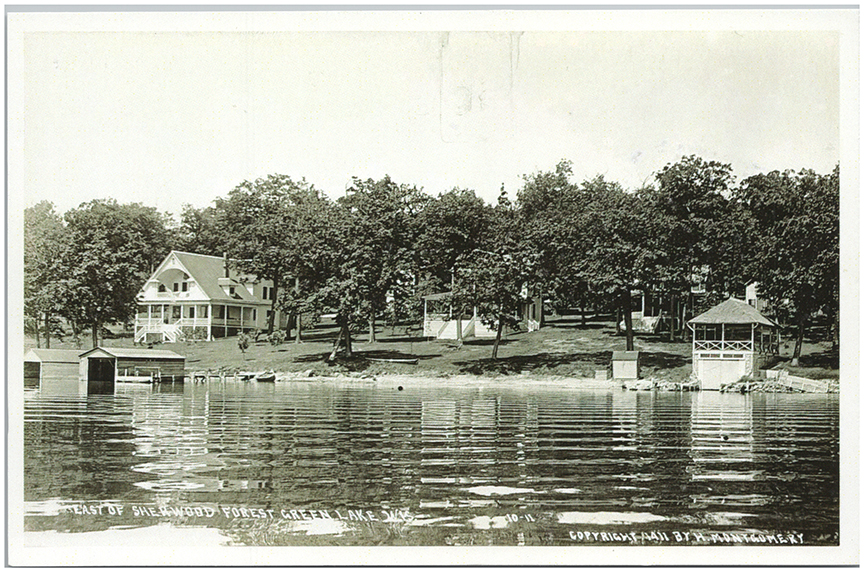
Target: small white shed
625 365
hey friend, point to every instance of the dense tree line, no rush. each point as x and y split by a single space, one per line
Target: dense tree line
371 254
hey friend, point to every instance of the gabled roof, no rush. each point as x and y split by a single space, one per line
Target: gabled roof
732 311
134 353
52 356
206 271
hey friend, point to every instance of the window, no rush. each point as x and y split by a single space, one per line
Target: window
265 293
162 288
708 332
176 287
254 315
185 286
231 290
191 308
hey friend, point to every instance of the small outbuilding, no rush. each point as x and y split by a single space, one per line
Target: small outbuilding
625 365
49 365
131 364
730 341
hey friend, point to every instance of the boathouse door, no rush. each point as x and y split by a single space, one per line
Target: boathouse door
100 369
713 373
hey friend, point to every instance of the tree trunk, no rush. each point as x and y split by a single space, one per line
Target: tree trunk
626 302
672 316
582 311
799 339
95 333
498 337
835 331
336 345
298 325
273 297
372 339
38 335
48 330
618 319
348 350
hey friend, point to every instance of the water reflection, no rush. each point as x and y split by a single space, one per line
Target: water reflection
431 465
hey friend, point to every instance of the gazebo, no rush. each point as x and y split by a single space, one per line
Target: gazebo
731 340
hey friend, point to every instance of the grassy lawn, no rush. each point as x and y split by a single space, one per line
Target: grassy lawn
563 348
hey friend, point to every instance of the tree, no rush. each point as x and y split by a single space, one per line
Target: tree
264 237
449 226
377 245
797 242
496 280
44 242
551 213
112 249
201 231
621 251
690 203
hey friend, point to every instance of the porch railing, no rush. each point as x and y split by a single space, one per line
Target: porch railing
723 346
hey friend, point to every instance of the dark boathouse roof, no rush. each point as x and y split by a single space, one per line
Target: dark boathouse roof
135 353
732 311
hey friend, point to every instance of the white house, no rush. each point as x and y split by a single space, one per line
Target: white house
195 296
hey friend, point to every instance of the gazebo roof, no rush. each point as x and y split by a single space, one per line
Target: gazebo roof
732 311
439 296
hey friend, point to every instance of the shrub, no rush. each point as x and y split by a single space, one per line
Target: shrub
277 338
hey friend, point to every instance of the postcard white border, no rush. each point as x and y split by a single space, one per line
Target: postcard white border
844 21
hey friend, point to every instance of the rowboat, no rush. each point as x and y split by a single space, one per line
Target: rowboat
267 376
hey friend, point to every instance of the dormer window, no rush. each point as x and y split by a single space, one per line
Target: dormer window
162 288
231 290
185 286
176 286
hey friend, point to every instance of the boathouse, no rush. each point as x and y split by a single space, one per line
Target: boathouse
49 365
131 364
730 341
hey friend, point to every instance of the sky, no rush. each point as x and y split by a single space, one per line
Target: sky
186 113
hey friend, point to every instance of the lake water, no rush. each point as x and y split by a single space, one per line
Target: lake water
363 463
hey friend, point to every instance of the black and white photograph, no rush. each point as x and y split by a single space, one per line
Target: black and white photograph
418 286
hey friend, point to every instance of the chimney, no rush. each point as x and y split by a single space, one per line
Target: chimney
225 256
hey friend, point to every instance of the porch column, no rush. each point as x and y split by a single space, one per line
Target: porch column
225 318
209 322
241 318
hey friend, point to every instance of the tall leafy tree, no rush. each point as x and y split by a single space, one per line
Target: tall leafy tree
797 242
621 249
551 211
497 279
112 249
450 225
44 242
370 260
690 202
201 231
260 226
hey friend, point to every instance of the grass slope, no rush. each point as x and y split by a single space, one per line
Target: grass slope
563 348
